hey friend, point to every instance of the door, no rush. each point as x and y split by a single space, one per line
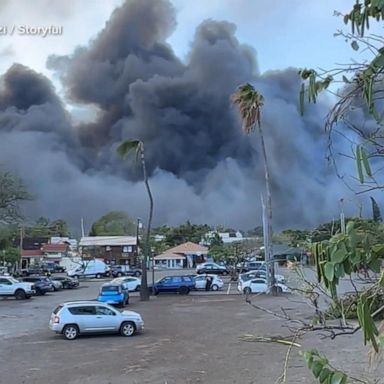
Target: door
200 282
6 287
85 317
259 285
106 319
131 283
164 284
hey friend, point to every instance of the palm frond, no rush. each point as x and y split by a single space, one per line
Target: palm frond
250 104
127 146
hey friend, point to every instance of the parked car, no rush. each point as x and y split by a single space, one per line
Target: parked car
35 270
248 266
212 268
57 285
114 293
41 283
9 286
201 282
258 286
260 274
174 284
67 282
72 319
132 283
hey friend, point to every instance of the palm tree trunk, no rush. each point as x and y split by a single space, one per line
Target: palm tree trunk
268 247
144 293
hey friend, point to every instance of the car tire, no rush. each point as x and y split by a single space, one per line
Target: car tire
183 290
247 291
155 292
215 287
137 273
279 290
98 275
20 294
119 274
71 332
225 273
138 288
127 329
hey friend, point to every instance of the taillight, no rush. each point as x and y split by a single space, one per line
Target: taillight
56 319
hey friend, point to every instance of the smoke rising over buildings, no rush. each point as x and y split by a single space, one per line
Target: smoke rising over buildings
202 167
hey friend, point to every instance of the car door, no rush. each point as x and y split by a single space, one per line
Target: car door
200 282
6 287
85 317
107 320
164 284
131 283
258 285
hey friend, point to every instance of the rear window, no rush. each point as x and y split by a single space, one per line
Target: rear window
187 279
57 309
110 288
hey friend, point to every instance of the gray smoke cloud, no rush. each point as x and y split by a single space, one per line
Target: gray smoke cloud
202 167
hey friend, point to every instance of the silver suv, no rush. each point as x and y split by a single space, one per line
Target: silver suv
79 317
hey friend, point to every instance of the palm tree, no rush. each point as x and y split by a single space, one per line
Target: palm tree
123 150
250 104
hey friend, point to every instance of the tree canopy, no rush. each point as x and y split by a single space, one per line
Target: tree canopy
115 223
12 193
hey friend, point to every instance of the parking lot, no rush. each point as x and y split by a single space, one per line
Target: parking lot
187 339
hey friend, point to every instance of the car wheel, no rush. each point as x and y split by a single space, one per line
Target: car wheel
138 288
137 273
98 275
215 287
155 292
279 290
76 276
119 274
128 328
70 332
183 290
225 273
20 294
247 290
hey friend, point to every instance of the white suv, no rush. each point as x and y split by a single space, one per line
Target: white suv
9 286
78 317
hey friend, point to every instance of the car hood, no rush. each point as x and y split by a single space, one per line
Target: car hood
130 313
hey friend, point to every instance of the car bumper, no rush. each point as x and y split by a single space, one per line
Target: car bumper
58 328
139 325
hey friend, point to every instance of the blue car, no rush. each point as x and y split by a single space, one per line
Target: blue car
116 294
174 284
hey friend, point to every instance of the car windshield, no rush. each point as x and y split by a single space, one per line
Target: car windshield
13 280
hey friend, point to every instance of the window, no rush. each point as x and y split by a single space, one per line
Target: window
189 279
86 310
5 282
110 288
165 280
258 281
57 309
104 311
177 279
127 248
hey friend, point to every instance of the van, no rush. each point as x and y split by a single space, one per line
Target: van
93 268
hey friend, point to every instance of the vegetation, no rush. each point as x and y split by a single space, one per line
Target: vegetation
43 227
250 104
124 149
114 223
12 193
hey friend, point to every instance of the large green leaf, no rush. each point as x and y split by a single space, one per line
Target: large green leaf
338 378
317 366
339 255
329 271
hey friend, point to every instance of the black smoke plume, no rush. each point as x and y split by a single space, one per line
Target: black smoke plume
202 167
